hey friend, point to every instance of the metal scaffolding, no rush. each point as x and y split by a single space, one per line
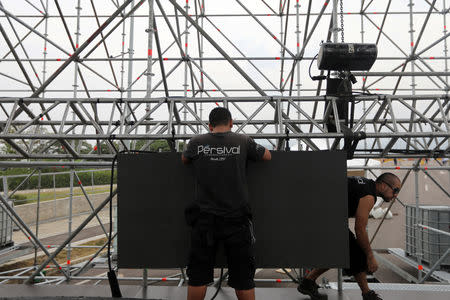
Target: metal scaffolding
151 70
403 110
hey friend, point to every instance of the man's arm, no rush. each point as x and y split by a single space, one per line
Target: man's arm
190 153
267 155
362 216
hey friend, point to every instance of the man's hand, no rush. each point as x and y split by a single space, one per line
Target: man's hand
185 160
372 264
267 155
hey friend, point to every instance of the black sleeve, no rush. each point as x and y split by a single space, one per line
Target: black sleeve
191 150
254 151
361 188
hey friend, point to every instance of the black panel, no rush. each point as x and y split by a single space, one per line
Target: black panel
299 203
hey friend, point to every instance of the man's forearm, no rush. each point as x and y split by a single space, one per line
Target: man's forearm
362 238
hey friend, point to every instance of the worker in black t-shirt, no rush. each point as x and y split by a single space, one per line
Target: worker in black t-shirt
220 211
362 194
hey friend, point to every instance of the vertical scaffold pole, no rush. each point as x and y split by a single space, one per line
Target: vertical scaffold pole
38 204
299 85
185 85
202 85
75 74
149 72
69 245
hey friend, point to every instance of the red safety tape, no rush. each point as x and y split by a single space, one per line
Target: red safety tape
79 182
109 90
275 37
58 59
188 90
60 268
326 3
420 267
277 58
186 45
298 44
149 52
29 237
165 58
426 168
278 280
138 78
412 44
42 119
217 104
48 246
431 57
76 46
62 167
214 90
397 168
68 262
164 279
95 148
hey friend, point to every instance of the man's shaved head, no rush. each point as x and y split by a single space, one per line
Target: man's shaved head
391 184
389 178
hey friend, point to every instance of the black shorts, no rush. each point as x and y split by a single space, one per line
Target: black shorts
358 259
237 239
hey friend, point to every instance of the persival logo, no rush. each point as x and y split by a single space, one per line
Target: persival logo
215 151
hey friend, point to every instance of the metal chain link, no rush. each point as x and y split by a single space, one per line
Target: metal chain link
342 20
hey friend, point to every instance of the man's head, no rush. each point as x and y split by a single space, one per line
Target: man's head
388 186
220 117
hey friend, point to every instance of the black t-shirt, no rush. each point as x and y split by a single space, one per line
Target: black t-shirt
220 163
358 187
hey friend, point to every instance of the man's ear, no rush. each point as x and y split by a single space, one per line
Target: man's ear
231 124
210 127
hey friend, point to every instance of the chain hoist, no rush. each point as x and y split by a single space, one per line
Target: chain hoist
341 2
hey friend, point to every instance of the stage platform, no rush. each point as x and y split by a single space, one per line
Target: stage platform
350 292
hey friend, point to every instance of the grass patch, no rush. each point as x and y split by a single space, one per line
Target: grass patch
31 197
61 258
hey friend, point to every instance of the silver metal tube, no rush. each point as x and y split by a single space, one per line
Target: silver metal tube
435 266
74 233
433 229
30 235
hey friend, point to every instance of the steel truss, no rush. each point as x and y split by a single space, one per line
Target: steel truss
271 108
88 83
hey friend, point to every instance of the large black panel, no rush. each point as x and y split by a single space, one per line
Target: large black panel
299 203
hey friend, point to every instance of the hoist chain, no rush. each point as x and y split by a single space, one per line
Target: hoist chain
342 20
